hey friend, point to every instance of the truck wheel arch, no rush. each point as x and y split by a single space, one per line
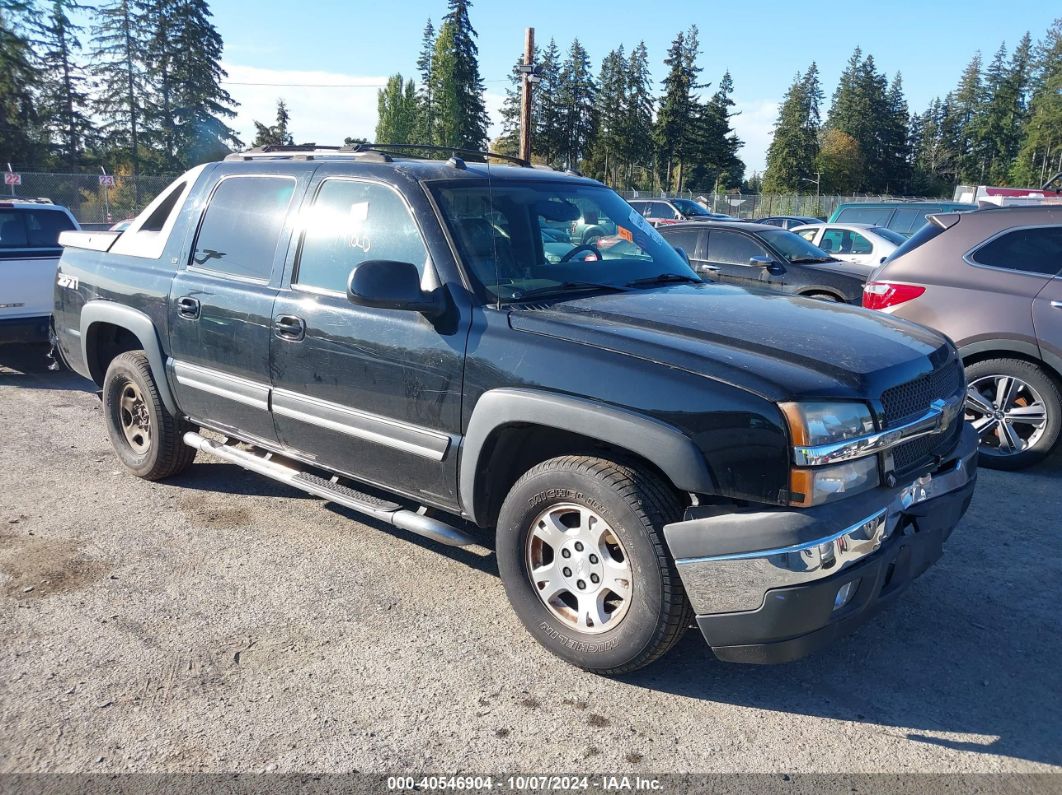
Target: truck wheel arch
99 312
664 446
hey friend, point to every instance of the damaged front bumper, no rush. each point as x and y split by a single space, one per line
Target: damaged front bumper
774 585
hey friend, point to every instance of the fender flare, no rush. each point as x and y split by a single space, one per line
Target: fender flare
664 445
140 326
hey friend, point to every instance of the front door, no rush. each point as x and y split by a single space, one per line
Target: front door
728 256
372 393
221 303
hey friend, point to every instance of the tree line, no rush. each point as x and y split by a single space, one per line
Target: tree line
610 125
1001 125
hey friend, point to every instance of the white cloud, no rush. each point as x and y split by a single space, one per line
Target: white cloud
325 107
755 126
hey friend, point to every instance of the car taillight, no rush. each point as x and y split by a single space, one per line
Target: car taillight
882 295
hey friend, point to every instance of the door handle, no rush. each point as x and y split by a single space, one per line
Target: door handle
1057 304
289 327
188 307
711 268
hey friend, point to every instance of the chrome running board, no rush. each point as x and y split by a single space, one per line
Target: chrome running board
332 491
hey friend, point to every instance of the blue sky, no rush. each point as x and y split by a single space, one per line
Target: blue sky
338 53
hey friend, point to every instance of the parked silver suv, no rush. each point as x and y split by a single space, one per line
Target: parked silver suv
991 280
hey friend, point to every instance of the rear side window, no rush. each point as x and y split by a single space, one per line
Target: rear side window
876 216
1029 250
242 224
730 248
686 239
20 228
351 222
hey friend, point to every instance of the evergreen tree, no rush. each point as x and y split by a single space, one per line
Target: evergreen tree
638 118
932 161
859 107
718 164
397 111
199 104
549 140
122 95
1040 157
675 130
959 133
998 125
63 97
609 145
276 134
457 90
577 94
895 139
425 132
791 155
19 79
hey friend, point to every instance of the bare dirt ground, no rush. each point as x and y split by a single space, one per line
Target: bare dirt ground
220 622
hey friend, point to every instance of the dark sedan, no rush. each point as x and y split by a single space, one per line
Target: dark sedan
766 258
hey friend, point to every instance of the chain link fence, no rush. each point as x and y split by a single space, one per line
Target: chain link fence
90 198
761 205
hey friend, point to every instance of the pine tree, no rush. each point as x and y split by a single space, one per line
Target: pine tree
508 143
959 132
63 96
1040 157
676 123
860 104
578 114
199 104
397 111
610 110
932 161
998 124
276 134
122 95
638 119
548 140
896 146
19 80
425 132
795 146
457 89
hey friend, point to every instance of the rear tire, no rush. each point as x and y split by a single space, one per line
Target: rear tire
1003 401
148 439
621 605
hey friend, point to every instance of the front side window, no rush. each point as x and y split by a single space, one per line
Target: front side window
524 239
1030 250
241 228
731 248
351 222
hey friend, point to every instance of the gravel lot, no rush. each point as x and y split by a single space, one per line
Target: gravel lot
221 622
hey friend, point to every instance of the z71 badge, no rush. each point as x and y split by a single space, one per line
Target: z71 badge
67 281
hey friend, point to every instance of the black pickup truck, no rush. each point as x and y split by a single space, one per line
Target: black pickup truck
426 341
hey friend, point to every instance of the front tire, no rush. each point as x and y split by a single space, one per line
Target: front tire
148 439
581 553
1016 409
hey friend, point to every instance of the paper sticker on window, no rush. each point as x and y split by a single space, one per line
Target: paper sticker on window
646 228
625 233
359 237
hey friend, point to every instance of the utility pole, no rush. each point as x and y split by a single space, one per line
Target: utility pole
529 77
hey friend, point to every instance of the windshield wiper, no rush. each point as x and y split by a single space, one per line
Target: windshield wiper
562 289
664 278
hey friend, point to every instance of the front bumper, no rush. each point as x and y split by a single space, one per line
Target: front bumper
763 583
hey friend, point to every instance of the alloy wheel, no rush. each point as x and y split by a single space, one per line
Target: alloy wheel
579 568
1008 414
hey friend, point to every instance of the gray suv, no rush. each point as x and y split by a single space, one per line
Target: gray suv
991 280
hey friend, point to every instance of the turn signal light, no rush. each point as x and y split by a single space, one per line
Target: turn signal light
882 295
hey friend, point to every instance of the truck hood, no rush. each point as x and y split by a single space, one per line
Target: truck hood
780 347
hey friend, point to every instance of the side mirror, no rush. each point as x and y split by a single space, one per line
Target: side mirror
386 284
682 253
767 264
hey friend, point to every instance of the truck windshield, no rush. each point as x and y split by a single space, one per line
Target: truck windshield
521 240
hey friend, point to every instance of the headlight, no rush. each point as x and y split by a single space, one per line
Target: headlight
821 423
812 424
817 485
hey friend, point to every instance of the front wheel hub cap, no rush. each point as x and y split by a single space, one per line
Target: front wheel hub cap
579 568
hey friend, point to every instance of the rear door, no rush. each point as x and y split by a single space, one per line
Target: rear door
29 252
221 303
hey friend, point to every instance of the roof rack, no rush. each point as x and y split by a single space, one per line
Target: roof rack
369 151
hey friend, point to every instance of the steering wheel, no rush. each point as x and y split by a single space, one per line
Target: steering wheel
585 247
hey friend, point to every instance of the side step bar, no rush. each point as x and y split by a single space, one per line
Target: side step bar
390 512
